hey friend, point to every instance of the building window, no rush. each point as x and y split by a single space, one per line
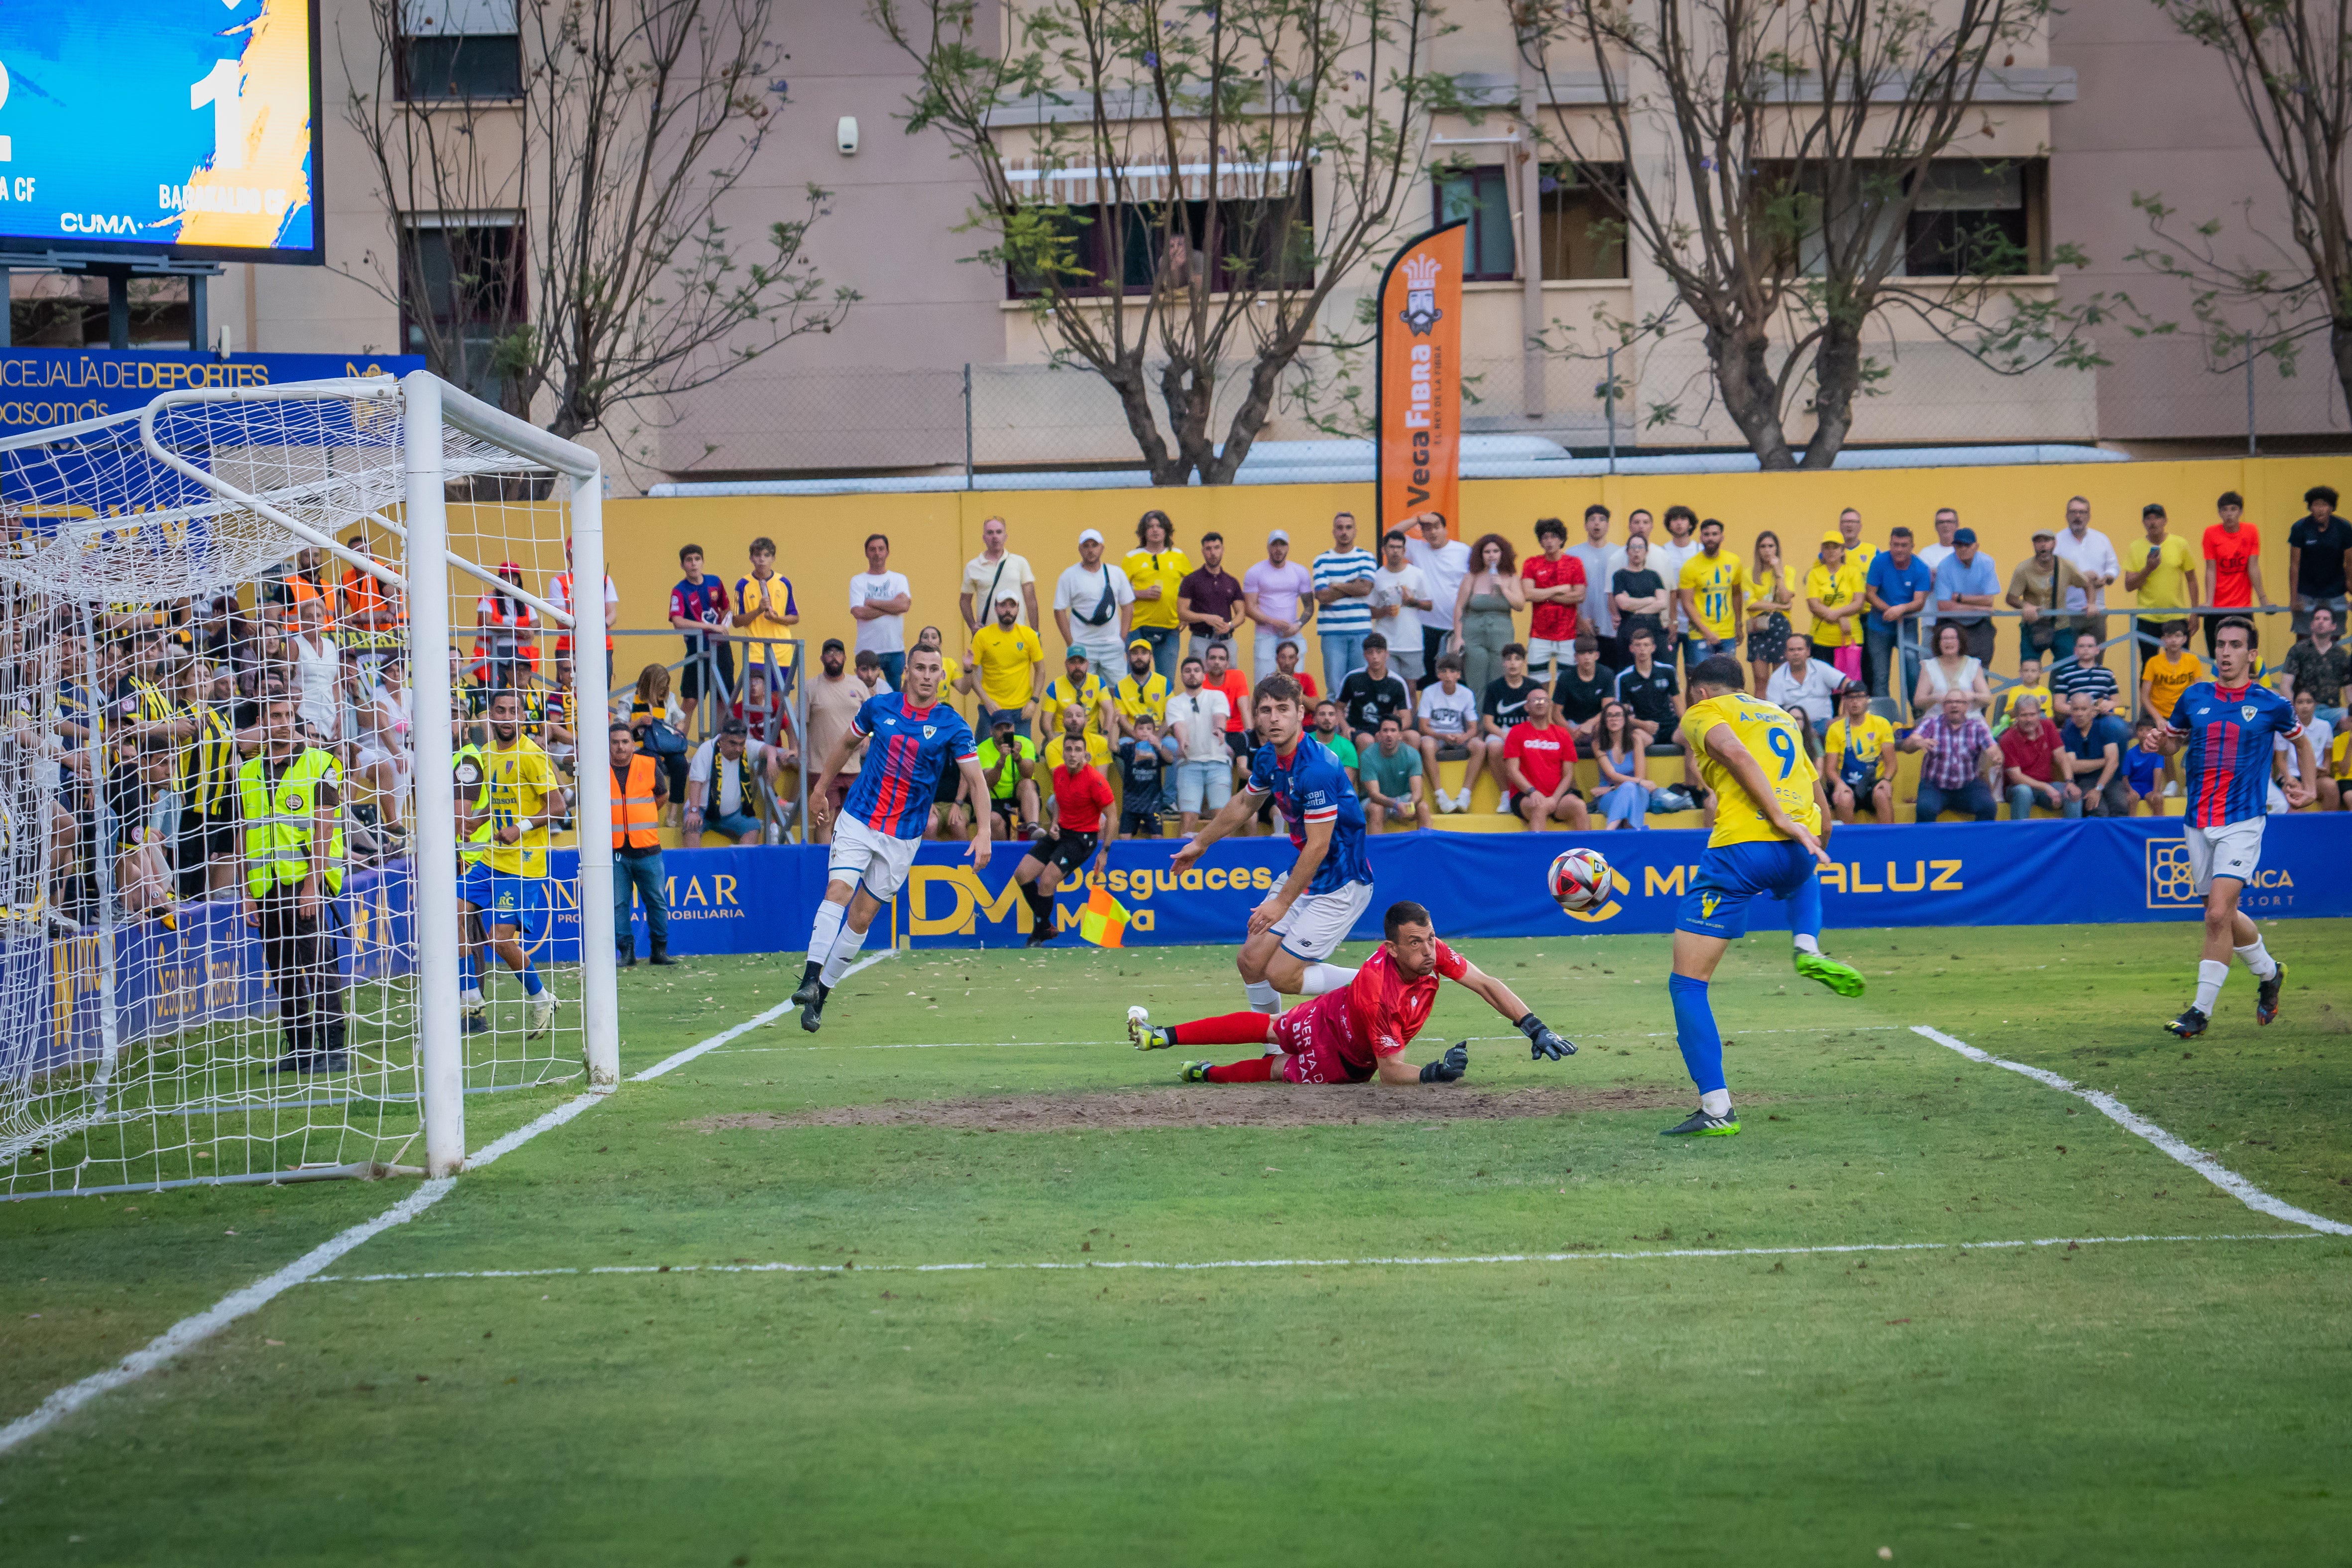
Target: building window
1974 220
458 51
466 279
1483 195
1582 234
1257 249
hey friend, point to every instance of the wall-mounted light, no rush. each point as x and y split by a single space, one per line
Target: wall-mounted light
845 135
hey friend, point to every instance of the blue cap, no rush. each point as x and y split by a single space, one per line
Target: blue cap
1005 716
1964 536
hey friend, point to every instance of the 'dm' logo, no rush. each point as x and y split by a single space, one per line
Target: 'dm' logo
1618 886
2171 885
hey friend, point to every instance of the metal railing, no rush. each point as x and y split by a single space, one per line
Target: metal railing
786 711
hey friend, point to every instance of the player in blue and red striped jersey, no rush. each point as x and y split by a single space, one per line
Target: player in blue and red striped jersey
911 737
2225 725
1359 1032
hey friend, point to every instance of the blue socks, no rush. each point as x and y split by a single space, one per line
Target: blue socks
1695 1030
1805 912
532 986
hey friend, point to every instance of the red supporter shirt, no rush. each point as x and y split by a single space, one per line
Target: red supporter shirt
1236 688
2030 755
1544 755
2230 554
1385 1010
1080 798
1552 622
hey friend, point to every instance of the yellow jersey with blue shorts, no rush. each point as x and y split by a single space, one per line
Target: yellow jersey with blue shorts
508 882
1747 856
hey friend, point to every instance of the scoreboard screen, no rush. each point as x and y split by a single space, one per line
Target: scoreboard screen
161 127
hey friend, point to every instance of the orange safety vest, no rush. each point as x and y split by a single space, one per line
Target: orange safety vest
563 601
635 819
365 595
299 588
522 615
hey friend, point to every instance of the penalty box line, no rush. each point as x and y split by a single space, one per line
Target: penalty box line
1230 1263
194 1330
2131 1121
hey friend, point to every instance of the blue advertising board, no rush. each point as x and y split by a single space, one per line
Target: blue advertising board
44 387
186 127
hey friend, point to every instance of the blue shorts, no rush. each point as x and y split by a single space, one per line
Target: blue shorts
1731 874
505 898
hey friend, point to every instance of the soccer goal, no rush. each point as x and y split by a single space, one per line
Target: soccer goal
305 833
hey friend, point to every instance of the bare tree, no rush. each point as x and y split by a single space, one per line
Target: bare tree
2289 63
1177 187
1767 158
559 233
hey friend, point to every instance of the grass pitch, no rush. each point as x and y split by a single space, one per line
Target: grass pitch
1363 1392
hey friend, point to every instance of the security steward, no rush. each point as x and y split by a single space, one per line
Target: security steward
639 792
291 800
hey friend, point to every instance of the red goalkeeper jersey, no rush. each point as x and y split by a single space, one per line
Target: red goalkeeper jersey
1385 1010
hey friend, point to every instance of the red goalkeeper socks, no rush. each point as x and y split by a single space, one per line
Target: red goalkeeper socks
1230 1029
1256 1070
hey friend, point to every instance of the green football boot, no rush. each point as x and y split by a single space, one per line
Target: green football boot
1700 1124
1843 979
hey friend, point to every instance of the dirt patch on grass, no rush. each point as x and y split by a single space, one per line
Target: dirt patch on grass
1208 1105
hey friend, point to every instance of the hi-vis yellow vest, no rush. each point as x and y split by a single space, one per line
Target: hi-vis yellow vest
279 824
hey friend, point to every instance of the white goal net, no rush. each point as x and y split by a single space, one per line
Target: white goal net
304 823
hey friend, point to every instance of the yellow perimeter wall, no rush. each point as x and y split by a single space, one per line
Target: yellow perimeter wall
820 539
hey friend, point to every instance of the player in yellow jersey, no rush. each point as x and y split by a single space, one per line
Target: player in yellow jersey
1771 818
507 887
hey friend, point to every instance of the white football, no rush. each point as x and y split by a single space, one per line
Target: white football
1578 879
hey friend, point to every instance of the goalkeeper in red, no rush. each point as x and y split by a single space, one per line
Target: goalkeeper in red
1358 1032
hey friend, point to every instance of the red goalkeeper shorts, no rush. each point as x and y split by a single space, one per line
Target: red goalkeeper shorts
1318 1045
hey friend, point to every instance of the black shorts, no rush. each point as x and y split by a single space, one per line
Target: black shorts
1069 851
689 674
944 792
1138 824
1239 742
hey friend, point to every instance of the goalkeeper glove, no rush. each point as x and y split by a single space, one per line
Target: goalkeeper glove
1543 1043
1451 1066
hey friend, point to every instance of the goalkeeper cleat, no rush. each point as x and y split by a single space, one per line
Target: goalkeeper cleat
2266 994
1700 1124
1843 979
813 1010
542 1015
2189 1025
810 991
1196 1072
1143 1033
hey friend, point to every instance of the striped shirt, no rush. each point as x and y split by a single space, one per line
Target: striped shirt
2228 731
911 748
1345 616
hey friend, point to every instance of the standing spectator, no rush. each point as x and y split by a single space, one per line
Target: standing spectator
2323 740
2040 588
2086 674
1241 724
1156 571
1197 719
1502 708
995 571
1859 747
2028 755
1833 595
639 793
1272 592
1771 595
1078 689
319 675
2315 559
1947 524
724 783
1285 662
1897 585
1143 761
372 613
2095 746
1555 584
2165 578
698 606
1859 553
880 599
1587 687
1094 604
1374 693
1952 669
1399 594
2321 665
2169 671
834 699
2092 557
1444 562
1448 713
1008 660
2233 565
1666 559
1343 590
1619 755
1599 560
869 666
764 609
1141 693
506 632
1643 601
559 593
1711 588
1960 752
1539 764
1967 586
1648 687
1804 684
1389 777
1008 760
1210 600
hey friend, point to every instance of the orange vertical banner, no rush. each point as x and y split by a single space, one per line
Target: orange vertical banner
1420 404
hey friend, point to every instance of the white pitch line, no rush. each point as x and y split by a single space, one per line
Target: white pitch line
669 1063
2123 1116
195 1329
1494 1258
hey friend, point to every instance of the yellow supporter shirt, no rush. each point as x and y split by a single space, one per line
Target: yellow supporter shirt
2167 677
2013 695
1059 696
1134 700
1866 740
1835 589
1006 661
1714 584
516 782
2172 585
2340 750
1860 556
1049 755
1163 569
1771 737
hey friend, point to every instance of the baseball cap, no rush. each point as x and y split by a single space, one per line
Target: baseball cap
1280 533
1090 535
734 727
1010 596
1078 653
1853 689
1143 643
2038 533
1009 717
833 645
1964 536
1834 537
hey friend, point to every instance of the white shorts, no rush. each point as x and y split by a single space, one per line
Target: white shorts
1543 652
2235 850
1318 923
876 861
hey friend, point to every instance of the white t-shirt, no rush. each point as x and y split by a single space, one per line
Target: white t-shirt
1196 722
736 784
987 580
1599 563
1816 694
1404 628
1080 592
1932 556
2092 553
1447 713
883 634
1444 568
2322 737
315 670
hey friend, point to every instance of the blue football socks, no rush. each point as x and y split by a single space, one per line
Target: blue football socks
531 983
1695 1030
1805 911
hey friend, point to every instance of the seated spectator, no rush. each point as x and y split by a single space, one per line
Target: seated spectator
2094 744
1388 776
2341 753
1621 757
1584 689
1327 731
2028 682
2143 766
1648 688
1143 762
1073 723
1008 760
1197 719
1960 752
1950 669
1540 765
2323 742
1860 752
2322 665
1805 684
1503 708
1375 692
656 720
738 767
2028 755
2169 671
764 712
1286 659
1449 721
2084 673
1078 689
